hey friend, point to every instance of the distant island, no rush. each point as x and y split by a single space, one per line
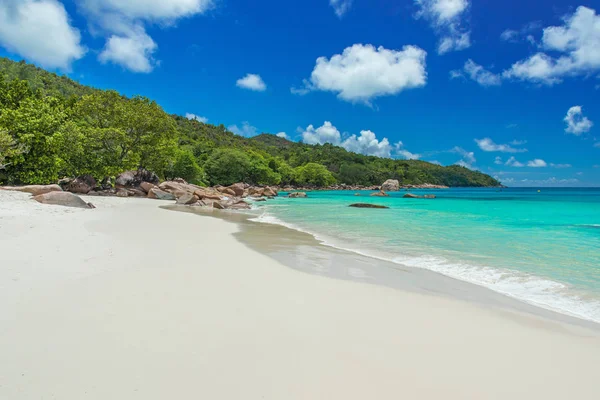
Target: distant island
52 127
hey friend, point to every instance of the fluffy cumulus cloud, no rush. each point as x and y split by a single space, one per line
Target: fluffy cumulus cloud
327 133
575 49
123 23
252 82
537 163
40 31
447 18
246 129
576 122
477 73
195 117
498 161
488 144
283 135
363 72
133 52
340 7
365 143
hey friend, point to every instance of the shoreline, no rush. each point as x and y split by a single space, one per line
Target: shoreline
133 301
293 247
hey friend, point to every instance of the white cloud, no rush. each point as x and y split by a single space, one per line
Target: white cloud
498 161
246 130
252 82
537 163
198 118
478 74
365 143
512 162
446 17
41 32
468 156
576 122
402 152
488 144
517 142
283 135
124 25
132 52
436 162
300 91
509 35
324 134
368 144
577 43
514 36
560 165
363 72
340 7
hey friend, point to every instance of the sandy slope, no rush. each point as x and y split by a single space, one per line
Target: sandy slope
129 301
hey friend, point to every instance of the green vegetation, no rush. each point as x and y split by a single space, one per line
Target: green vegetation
51 127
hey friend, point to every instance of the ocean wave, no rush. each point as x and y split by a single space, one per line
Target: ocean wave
530 289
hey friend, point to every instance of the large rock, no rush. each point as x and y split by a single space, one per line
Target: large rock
174 186
187 199
238 189
133 179
34 190
256 191
381 193
225 190
65 199
366 205
80 185
296 195
146 186
204 194
158 194
270 192
391 185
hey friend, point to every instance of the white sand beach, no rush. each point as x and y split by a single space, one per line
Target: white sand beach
130 301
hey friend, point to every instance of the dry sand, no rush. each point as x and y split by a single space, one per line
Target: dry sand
129 301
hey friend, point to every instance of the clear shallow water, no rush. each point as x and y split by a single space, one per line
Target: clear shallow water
539 247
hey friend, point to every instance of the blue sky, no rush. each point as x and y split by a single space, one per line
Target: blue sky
510 88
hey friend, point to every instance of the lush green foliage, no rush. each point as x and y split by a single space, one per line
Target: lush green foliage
51 126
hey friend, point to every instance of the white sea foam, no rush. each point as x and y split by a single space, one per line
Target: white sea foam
537 291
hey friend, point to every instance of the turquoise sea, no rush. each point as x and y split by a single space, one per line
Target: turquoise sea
541 246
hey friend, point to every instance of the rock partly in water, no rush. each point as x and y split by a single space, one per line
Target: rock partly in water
158 194
298 195
80 185
65 199
381 193
391 185
366 205
414 196
34 190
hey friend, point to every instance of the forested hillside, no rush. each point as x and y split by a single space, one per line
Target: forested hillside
52 126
